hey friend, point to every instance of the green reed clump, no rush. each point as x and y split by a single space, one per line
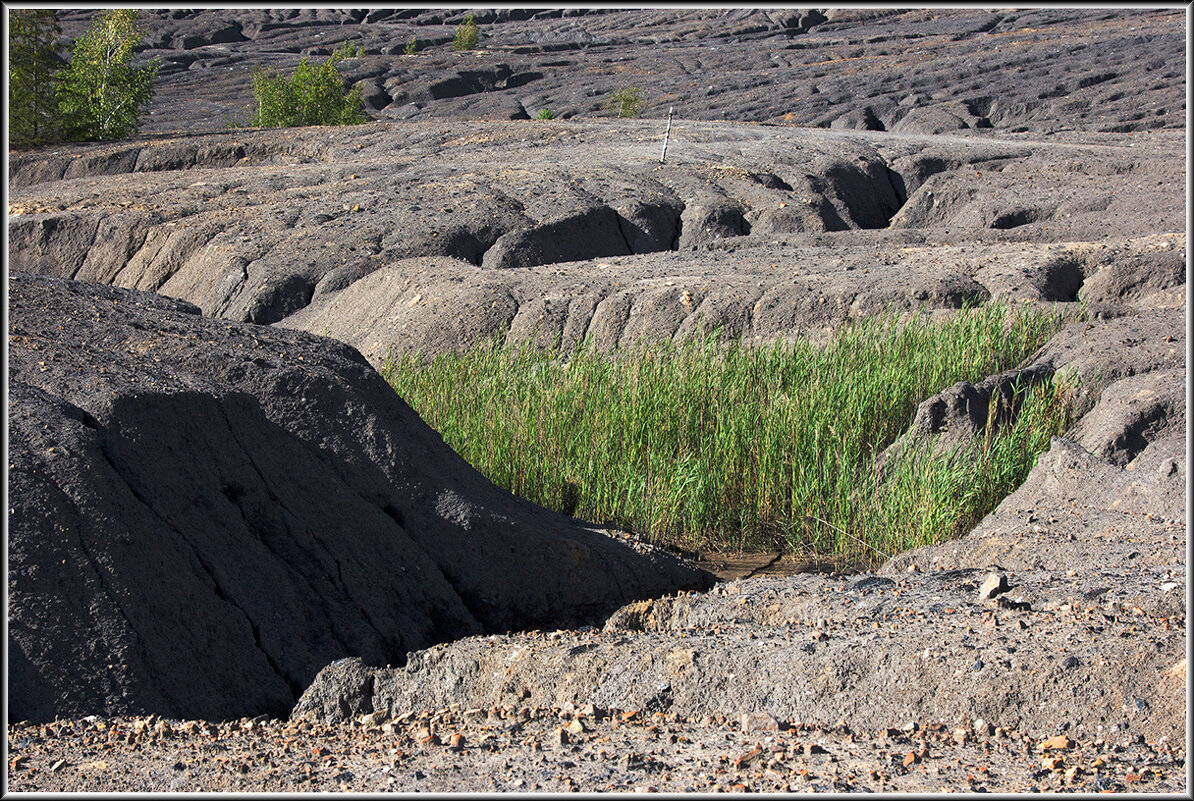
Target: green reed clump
713 443
922 496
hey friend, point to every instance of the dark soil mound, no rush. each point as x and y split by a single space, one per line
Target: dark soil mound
204 514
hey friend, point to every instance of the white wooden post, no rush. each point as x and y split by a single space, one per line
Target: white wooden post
666 134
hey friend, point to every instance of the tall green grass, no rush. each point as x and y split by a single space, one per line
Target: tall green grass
719 444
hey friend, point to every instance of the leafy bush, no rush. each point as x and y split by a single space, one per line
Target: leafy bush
467 34
32 65
313 95
546 114
412 46
101 95
627 101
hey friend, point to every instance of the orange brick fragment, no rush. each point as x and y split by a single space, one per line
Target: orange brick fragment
1061 741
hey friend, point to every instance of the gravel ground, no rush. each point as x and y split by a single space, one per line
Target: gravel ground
571 750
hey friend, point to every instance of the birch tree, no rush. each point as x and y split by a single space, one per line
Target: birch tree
101 95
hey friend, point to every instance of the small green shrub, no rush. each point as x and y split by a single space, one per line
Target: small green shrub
314 95
412 46
546 114
627 101
467 34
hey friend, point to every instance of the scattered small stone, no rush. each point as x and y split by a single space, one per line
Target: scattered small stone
631 761
994 584
1061 741
373 718
758 721
748 757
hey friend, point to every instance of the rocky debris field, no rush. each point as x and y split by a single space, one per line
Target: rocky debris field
238 562
429 233
572 749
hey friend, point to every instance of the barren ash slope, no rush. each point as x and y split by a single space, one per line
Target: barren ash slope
212 505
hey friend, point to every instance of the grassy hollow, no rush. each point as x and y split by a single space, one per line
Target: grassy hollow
715 444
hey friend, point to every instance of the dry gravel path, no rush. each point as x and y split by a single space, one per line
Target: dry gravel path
586 750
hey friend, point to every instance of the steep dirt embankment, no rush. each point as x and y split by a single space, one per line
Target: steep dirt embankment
423 236
203 514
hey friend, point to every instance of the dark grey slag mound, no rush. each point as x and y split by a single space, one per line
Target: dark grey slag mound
204 514
918 71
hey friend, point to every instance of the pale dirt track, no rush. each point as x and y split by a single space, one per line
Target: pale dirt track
519 750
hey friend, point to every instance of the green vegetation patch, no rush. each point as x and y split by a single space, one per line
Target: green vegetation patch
314 94
98 95
718 444
627 101
468 33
